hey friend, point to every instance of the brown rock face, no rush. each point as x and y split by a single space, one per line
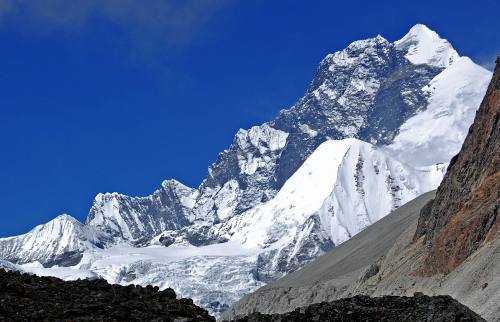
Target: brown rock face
464 213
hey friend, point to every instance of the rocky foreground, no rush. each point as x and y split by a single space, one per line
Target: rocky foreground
26 297
387 308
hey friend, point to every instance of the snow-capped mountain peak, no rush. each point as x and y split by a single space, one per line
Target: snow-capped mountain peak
369 42
424 46
60 241
64 218
186 195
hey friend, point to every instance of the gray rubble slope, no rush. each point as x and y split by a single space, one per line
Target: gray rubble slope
361 250
377 262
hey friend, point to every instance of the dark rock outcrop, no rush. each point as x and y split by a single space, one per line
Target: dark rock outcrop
26 297
386 308
464 213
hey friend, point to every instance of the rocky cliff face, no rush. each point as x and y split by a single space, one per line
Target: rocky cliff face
464 213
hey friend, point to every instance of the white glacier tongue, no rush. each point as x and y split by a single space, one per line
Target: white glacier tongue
214 276
424 46
436 134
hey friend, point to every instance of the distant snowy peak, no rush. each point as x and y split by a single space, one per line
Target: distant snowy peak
424 46
356 51
60 241
186 195
135 219
242 175
420 45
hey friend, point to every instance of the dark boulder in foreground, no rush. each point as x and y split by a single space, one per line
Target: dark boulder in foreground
26 297
386 308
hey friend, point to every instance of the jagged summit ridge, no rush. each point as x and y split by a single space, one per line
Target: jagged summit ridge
134 219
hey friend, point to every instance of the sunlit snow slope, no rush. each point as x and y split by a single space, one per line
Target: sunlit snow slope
437 133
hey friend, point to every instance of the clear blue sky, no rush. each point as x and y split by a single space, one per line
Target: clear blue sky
100 96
